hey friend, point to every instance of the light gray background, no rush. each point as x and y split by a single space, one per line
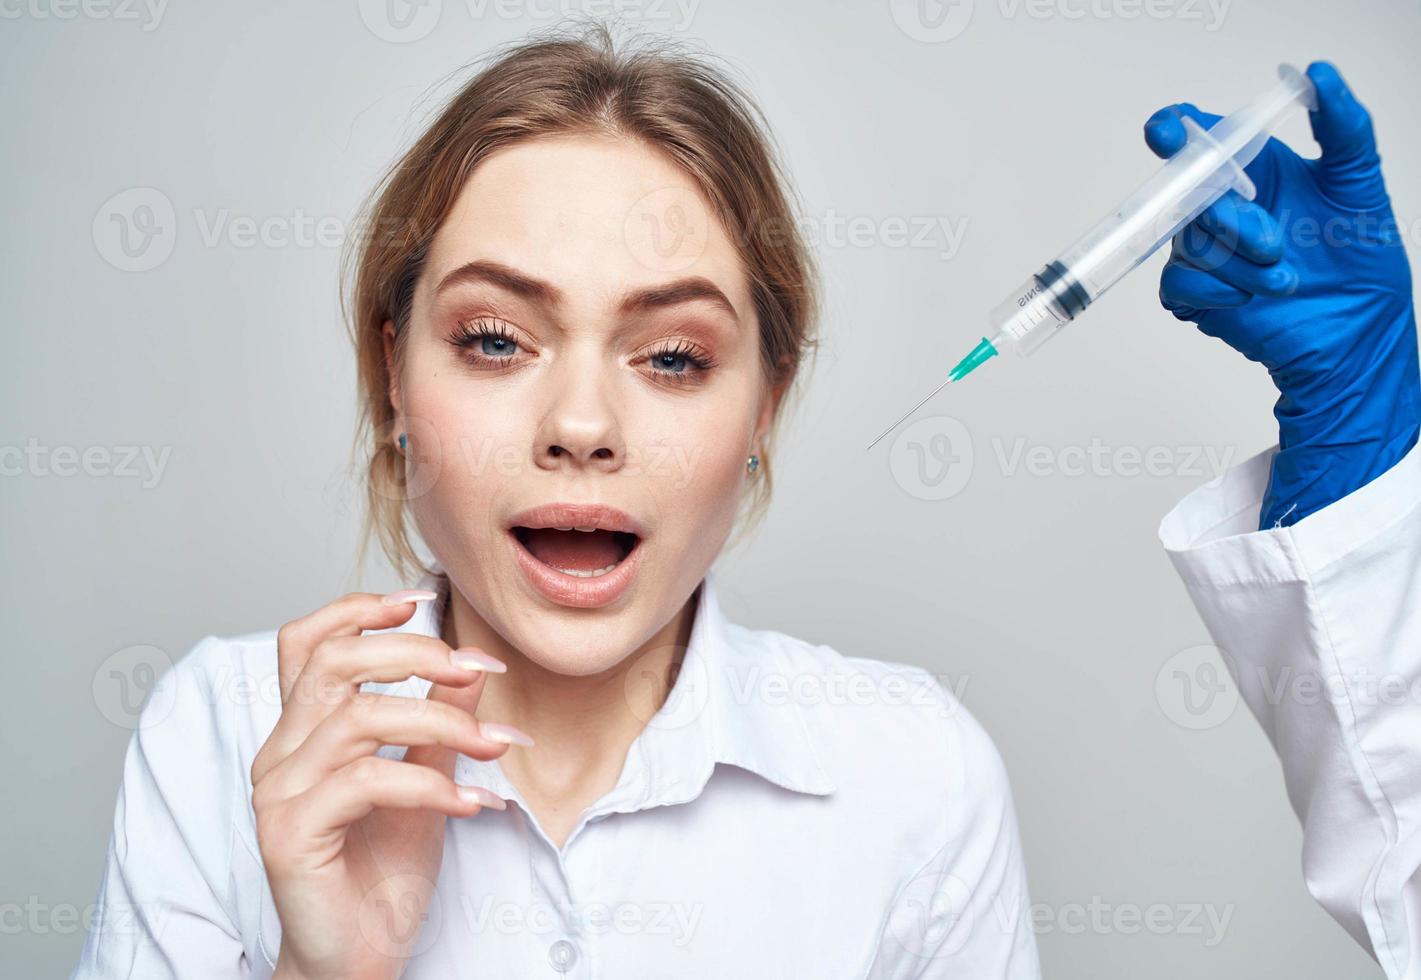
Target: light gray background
1043 597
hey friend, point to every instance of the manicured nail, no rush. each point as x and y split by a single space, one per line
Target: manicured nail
471 659
409 595
483 797
495 732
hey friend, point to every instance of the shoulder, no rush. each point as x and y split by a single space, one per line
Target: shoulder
220 699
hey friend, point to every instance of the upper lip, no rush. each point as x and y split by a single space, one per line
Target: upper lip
564 514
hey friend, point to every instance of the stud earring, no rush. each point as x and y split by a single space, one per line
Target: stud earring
403 442
752 464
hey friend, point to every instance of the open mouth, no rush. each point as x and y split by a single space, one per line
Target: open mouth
582 552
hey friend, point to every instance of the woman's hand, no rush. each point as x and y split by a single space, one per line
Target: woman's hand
1310 280
351 841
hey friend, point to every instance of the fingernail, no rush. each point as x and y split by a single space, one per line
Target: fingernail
483 797
409 595
477 660
495 732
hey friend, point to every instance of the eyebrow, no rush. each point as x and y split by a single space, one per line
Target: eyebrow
686 290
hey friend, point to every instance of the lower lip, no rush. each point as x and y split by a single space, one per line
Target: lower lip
573 590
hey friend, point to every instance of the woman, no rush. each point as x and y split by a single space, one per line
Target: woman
579 307
577 314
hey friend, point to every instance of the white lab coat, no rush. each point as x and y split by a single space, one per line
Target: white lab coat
1320 625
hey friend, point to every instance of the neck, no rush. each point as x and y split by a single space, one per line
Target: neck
583 725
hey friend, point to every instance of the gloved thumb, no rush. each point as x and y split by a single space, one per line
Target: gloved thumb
1349 168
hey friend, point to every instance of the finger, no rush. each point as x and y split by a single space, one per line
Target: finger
306 698
320 815
387 658
1245 227
1188 292
341 664
349 615
334 673
1349 168
1198 248
424 825
370 721
461 699
1165 134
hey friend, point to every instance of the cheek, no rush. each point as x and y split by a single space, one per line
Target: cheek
467 450
696 466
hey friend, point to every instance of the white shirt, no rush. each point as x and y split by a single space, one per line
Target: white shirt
1320 625
789 812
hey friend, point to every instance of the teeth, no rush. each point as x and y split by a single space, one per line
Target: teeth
592 574
562 529
587 529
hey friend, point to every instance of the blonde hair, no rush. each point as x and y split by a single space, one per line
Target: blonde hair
573 79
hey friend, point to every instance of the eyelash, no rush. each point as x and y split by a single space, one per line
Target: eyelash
698 359
470 336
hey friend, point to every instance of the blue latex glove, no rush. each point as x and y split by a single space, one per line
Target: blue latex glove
1310 280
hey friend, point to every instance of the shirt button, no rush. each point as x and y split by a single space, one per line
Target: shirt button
562 955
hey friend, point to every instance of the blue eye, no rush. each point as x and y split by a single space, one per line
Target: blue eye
486 343
494 345
675 363
681 363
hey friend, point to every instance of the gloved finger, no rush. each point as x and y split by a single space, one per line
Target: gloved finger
1349 168
1198 248
1245 227
1164 131
1186 291
1165 135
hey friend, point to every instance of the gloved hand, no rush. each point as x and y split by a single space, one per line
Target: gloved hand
1310 280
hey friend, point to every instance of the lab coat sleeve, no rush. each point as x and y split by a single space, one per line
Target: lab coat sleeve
162 905
966 911
1320 626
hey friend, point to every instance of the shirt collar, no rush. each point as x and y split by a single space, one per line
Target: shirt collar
731 702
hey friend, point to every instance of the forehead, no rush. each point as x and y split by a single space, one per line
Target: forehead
595 216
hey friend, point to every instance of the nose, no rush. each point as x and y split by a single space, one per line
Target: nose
581 429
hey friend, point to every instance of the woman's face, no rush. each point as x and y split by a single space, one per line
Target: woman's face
582 333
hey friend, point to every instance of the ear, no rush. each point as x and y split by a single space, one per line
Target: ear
387 334
769 405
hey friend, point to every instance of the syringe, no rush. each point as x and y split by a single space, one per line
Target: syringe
1205 168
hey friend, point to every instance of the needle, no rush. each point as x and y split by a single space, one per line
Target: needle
986 349
910 412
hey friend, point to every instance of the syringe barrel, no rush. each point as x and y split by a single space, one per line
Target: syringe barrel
1191 180
1209 164
1041 306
